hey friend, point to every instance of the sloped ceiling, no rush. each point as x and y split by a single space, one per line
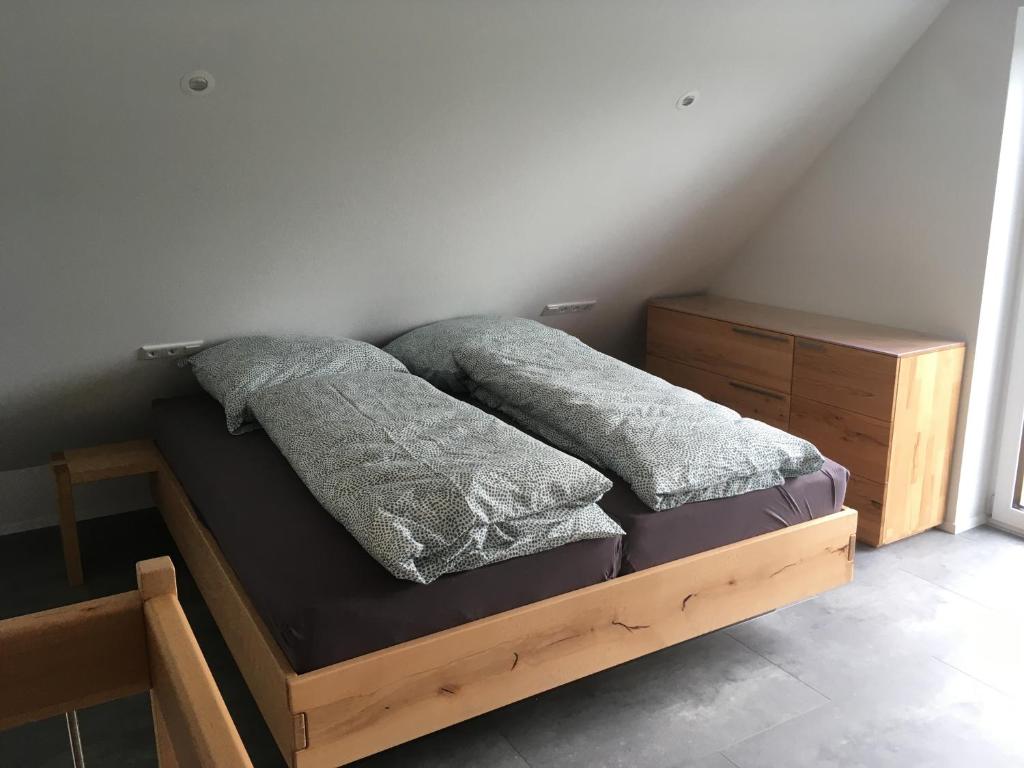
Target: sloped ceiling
361 167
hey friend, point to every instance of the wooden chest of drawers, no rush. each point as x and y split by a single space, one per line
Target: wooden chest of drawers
880 401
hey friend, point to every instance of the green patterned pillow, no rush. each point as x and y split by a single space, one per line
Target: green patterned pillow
237 369
428 350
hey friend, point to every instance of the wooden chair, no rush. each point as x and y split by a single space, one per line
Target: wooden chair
89 653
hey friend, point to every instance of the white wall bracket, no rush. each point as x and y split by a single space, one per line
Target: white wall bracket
171 349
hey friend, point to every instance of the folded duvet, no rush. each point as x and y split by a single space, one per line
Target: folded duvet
428 484
670 444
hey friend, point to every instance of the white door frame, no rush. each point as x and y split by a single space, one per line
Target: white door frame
1007 212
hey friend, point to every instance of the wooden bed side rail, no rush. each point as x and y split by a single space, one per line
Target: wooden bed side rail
89 653
259 657
362 706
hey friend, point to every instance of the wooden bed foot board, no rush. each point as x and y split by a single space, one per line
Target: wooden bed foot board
362 706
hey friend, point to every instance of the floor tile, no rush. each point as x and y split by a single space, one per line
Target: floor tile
838 638
473 744
680 704
984 565
118 733
993 652
715 760
873 564
921 714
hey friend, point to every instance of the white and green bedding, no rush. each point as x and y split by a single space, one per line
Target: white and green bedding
426 483
235 370
671 445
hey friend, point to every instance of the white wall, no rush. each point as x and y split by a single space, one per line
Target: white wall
29 500
891 224
365 166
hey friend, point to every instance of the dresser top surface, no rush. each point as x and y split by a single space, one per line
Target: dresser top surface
833 330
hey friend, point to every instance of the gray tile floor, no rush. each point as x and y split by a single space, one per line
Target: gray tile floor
919 662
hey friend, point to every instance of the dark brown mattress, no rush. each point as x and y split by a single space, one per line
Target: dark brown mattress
653 538
326 600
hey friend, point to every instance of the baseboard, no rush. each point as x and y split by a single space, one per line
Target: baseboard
962 524
27 499
1007 527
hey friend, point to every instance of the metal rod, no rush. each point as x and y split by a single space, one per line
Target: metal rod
77 758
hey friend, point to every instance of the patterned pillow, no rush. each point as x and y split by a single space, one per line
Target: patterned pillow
671 445
428 350
237 369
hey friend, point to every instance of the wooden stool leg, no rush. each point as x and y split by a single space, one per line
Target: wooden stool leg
165 757
68 524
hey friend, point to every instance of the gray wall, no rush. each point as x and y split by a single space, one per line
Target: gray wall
365 166
891 224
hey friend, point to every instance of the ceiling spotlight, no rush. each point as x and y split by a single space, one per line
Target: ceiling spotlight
687 99
197 83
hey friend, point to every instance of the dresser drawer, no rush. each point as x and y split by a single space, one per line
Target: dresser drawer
738 352
747 400
867 498
859 443
852 379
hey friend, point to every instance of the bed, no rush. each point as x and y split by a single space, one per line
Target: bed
329 713
325 600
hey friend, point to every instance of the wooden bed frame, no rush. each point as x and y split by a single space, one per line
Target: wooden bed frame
89 653
335 715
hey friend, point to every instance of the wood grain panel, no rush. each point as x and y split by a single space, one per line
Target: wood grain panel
190 720
188 704
67 520
882 401
868 499
71 658
835 330
924 425
852 379
735 351
746 399
104 462
364 705
859 443
165 756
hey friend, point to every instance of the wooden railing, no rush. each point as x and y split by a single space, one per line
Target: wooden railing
68 658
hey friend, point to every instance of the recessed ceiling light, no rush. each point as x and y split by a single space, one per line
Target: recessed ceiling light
687 99
198 83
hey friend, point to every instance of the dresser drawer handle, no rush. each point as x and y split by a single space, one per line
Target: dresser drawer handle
811 345
759 334
757 390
